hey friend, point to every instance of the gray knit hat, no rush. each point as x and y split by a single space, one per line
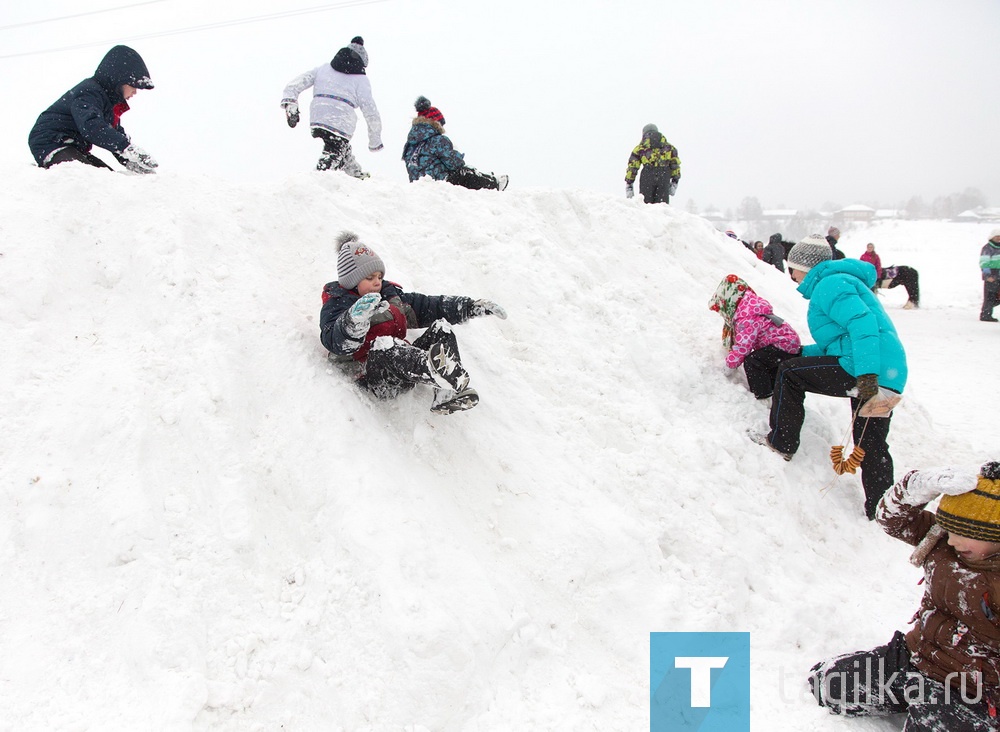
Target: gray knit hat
809 252
356 261
649 129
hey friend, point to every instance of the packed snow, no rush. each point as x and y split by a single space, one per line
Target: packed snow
204 525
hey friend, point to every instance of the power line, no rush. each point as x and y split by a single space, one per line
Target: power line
77 15
209 26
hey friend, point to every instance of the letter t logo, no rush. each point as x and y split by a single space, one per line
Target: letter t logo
701 676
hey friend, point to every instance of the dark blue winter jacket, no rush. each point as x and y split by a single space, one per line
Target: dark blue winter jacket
847 321
85 115
428 151
422 311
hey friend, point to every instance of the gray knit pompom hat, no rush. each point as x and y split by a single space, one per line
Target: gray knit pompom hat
356 261
809 252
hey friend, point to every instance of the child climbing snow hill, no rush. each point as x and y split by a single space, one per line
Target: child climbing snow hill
755 337
365 319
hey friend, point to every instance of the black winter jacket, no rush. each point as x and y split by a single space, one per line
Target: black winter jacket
84 116
425 310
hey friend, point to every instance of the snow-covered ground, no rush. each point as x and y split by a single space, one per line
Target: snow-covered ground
203 526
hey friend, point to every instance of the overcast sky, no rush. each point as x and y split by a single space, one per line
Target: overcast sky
796 103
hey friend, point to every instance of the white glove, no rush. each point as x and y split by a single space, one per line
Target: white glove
138 160
673 188
359 316
728 372
487 307
923 486
628 190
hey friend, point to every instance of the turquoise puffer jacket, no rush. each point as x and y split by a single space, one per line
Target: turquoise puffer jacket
847 321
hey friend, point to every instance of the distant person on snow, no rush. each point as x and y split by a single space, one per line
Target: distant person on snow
774 253
944 673
339 88
428 151
90 114
856 351
758 249
873 259
989 263
832 237
753 334
908 277
661 167
364 319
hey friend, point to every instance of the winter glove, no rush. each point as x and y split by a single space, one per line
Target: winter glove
487 307
867 386
138 160
359 316
920 487
728 372
628 190
292 113
673 187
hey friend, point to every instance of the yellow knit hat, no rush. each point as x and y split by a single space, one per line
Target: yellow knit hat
976 514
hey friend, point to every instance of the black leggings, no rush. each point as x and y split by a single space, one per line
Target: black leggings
824 375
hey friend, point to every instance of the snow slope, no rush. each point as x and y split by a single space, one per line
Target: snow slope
204 526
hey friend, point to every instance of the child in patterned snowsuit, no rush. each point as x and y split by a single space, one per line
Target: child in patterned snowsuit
429 151
944 674
661 167
365 320
755 337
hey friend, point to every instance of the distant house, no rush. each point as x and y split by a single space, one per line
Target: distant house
968 216
855 214
884 214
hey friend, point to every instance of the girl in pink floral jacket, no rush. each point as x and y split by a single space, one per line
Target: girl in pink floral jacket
754 335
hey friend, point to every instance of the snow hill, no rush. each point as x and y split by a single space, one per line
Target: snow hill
204 526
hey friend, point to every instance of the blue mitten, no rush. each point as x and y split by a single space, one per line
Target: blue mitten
359 316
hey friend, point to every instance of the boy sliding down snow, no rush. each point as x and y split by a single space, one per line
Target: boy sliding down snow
944 674
365 318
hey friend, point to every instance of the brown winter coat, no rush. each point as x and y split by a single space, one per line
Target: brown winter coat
957 628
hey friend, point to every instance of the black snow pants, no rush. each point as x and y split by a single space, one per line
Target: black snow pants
761 366
393 370
654 184
823 375
990 290
883 681
472 179
72 153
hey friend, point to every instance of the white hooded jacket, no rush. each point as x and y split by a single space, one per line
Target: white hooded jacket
336 96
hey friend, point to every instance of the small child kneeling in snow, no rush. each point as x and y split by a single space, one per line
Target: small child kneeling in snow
365 319
944 673
754 336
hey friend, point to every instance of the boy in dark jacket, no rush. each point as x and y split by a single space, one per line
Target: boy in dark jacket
774 253
944 674
90 114
428 151
365 319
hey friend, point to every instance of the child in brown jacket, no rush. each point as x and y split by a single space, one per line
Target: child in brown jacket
944 674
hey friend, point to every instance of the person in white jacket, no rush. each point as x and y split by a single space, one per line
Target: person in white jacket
339 88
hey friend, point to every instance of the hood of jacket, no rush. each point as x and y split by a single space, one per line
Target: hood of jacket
853 267
349 61
122 65
423 129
